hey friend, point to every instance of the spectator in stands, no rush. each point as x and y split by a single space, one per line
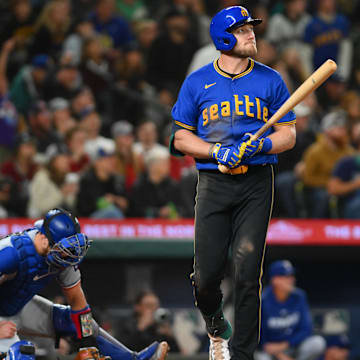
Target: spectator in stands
147 323
52 28
5 198
320 159
111 26
61 116
41 126
170 53
155 194
20 168
28 85
132 10
65 83
286 31
102 192
146 32
286 325
337 347
53 186
96 72
330 95
147 137
95 68
82 103
345 181
75 139
8 115
128 164
327 37
74 43
91 123
291 167
350 102
19 26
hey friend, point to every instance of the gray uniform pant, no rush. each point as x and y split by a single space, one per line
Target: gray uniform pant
35 319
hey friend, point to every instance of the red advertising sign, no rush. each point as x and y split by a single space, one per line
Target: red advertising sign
281 231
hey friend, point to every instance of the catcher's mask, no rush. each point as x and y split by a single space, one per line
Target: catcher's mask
69 251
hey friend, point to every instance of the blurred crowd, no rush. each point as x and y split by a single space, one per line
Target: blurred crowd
87 87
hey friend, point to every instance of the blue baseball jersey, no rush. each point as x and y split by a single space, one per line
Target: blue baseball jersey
220 108
325 37
285 321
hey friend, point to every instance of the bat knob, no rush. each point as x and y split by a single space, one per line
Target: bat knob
224 169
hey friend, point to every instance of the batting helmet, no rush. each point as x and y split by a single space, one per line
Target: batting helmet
58 224
281 268
225 21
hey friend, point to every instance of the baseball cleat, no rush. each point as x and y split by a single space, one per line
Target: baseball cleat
219 348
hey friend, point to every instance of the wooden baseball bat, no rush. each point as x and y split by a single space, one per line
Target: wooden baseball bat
308 86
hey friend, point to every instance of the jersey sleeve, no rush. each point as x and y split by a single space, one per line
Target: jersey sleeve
280 94
69 277
185 112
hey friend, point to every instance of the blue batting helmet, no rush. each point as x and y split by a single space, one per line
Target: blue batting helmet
58 224
225 21
281 268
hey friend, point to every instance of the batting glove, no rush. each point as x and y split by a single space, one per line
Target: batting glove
249 148
225 155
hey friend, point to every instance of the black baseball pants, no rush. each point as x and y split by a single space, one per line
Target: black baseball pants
232 212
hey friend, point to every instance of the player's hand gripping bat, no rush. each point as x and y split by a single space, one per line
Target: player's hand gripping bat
308 86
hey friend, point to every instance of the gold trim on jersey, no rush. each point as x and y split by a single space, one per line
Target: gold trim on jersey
188 127
221 72
286 123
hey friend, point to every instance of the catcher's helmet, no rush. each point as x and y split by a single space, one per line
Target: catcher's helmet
225 21
58 224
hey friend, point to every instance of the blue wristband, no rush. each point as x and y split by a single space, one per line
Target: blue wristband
267 145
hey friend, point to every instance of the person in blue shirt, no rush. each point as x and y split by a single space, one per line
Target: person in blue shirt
327 37
113 28
286 325
217 107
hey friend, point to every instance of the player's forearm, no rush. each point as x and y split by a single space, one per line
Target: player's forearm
283 139
75 297
190 144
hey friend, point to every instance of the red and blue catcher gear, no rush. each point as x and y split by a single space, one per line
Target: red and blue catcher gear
225 21
58 224
69 251
108 345
21 350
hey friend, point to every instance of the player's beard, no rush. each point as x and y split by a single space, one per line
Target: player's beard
244 52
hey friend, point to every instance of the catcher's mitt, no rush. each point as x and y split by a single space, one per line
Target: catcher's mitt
90 353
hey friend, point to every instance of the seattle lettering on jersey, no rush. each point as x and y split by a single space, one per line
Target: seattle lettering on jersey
242 105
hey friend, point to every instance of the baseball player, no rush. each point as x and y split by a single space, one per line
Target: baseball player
28 261
286 328
218 105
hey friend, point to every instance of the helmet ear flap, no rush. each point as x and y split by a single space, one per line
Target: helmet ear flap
227 42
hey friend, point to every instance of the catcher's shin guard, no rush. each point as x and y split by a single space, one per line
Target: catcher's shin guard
107 344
